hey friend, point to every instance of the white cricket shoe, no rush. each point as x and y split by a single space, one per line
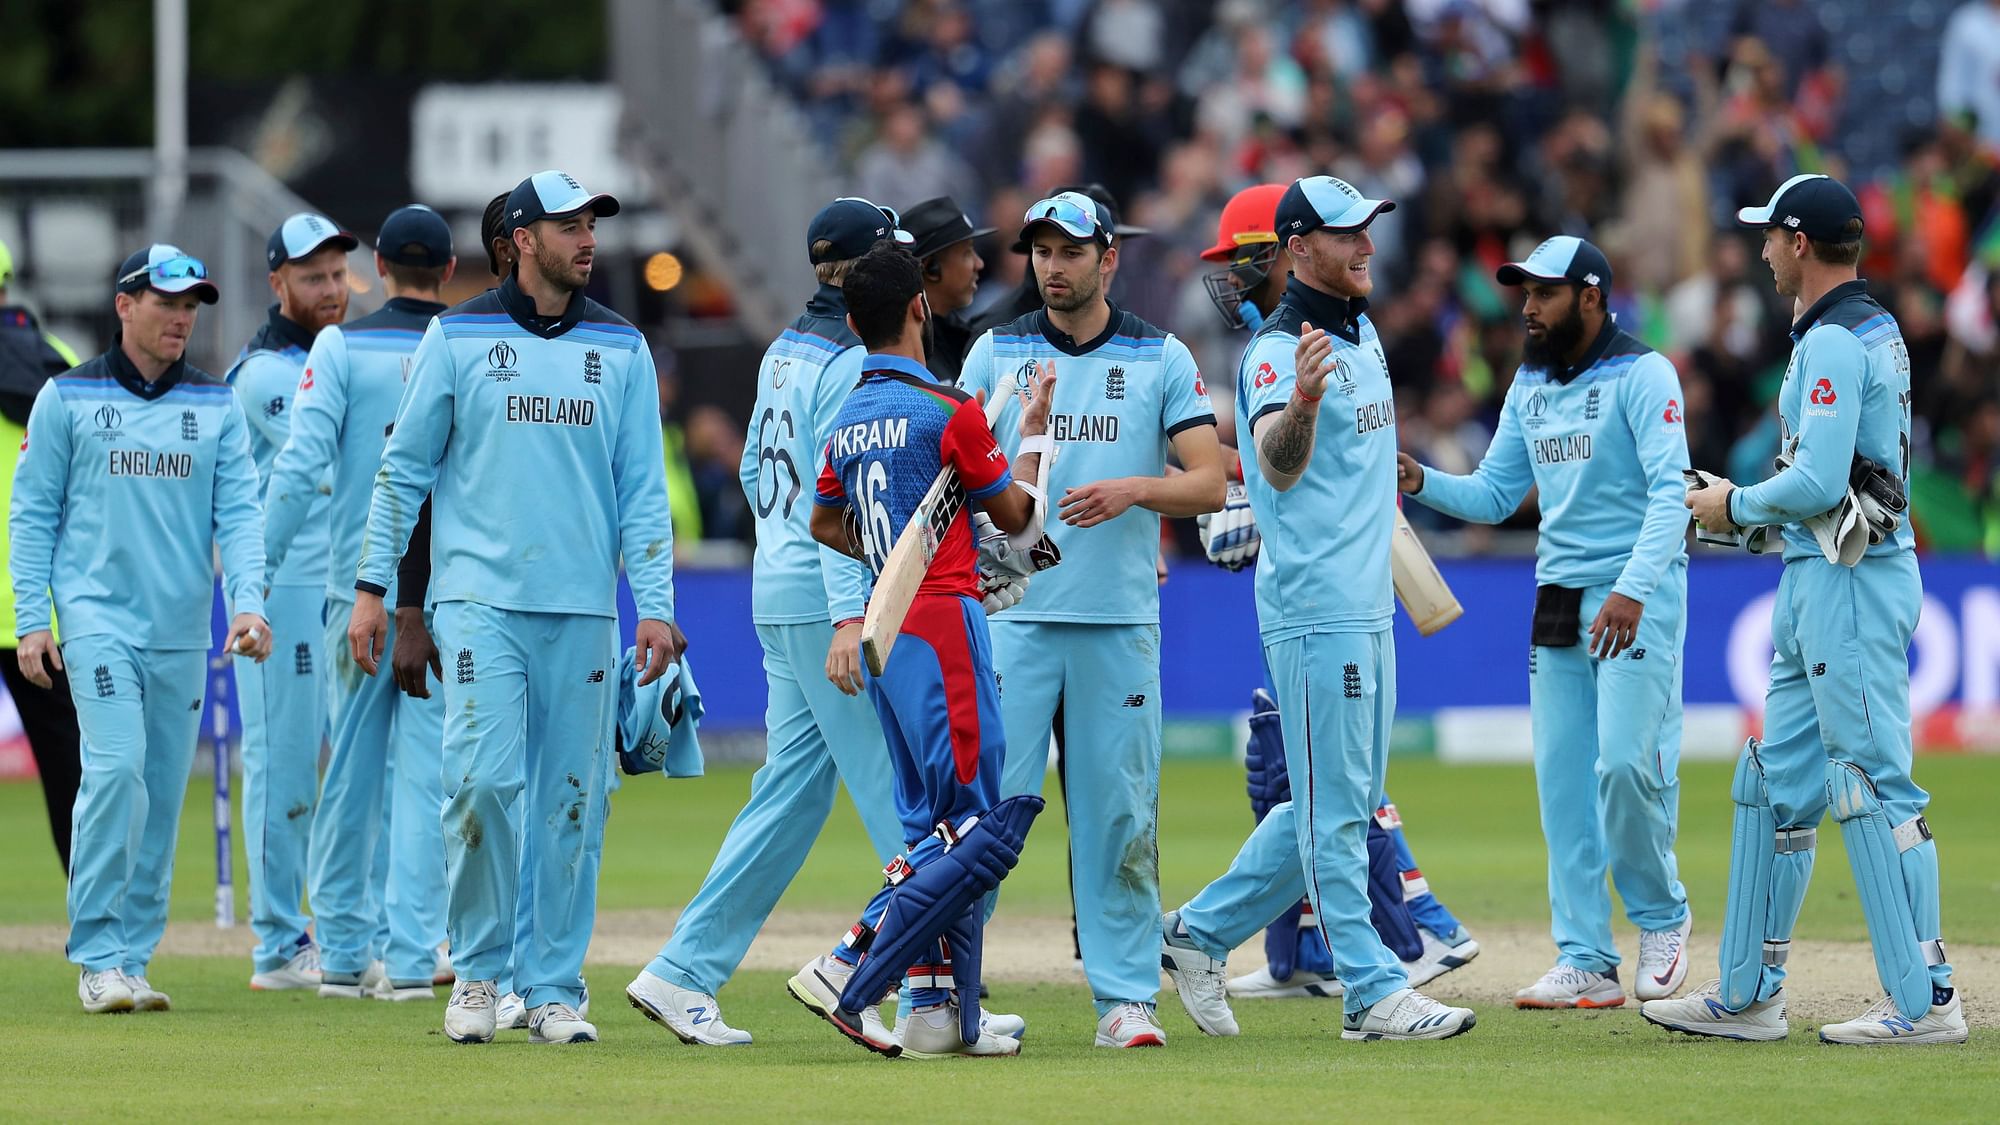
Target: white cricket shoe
694 1017
1002 1023
1261 985
403 991
1440 956
1701 1013
469 1016
1883 1024
301 972
105 991
1130 1025
1199 979
351 986
933 1034
559 1023
818 986
441 971
1663 964
1566 986
146 998
1407 1014
511 1014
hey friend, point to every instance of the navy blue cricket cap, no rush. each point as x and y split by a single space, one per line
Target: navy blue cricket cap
167 270
301 236
1562 260
552 195
852 226
1323 202
415 236
1819 207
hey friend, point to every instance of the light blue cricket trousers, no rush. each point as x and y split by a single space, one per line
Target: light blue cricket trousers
283 703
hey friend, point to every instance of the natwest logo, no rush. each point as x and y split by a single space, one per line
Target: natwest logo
1673 412
1822 393
1265 376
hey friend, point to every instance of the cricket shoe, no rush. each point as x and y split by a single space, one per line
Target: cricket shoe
146 998
559 1023
1302 984
1130 1025
301 972
694 1017
1663 963
469 1018
818 987
1003 1023
511 1014
1441 955
1199 979
1701 1013
1883 1025
441 970
335 985
1407 1014
403 991
1567 986
933 1034
105 991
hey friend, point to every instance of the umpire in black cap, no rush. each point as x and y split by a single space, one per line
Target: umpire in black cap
942 239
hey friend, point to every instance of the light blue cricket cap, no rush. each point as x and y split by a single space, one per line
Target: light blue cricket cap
302 235
1317 202
1565 260
553 195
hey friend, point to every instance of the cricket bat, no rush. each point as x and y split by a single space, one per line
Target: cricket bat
910 559
1422 590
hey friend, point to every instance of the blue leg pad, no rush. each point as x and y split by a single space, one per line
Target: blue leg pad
1882 857
1769 869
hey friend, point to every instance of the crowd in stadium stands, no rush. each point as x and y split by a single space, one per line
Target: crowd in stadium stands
1493 123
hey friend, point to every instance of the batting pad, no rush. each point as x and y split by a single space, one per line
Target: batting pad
1895 871
1769 869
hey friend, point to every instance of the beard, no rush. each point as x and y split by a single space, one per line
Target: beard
1082 291
1558 340
559 269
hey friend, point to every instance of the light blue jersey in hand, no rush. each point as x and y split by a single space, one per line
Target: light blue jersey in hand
1605 444
121 488
341 418
266 378
1119 400
805 376
542 439
1846 391
1324 566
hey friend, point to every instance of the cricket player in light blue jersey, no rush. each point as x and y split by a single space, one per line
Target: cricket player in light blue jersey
807 602
1593 421
134 470
534 411
284 701
345 408
1837 713
1086 642
1313 398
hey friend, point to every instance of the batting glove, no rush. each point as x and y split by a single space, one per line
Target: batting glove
1230 536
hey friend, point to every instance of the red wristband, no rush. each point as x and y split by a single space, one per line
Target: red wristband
845 622
1307 397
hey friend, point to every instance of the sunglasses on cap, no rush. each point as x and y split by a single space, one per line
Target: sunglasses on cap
182 268
1075 214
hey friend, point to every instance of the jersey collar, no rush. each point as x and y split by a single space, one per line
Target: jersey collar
1067 344
414 306
828 301
1591 355
521 308
284 328
879 363
128 375
1338 315
1835 295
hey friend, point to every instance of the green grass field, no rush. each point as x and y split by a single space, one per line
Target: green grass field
226 1053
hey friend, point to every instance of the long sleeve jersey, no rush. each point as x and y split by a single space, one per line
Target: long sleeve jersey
806 374
1605 443
341 418
267 377
538 440
121 487
1846 391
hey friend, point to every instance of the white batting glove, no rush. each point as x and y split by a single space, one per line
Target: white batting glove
997 554
1230 536
1001 591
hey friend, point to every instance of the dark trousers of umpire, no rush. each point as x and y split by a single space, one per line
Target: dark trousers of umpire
48 718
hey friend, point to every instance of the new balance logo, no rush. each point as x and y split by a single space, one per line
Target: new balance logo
1135 701
102 678
698 1015
596 676
465 666
1350 681
195 706
274 407
1819 669
1636 654
302 659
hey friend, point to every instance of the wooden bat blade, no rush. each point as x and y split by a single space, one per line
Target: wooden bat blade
1422 590
902 572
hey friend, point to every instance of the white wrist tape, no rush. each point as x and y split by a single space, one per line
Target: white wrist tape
1039 443
1028 536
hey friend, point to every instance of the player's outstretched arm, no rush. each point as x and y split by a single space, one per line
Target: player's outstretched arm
1284 437
1200 488
1016 508
1491 492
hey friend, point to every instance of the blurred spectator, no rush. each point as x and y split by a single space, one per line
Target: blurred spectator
905 164
683 503
1968 78
714 446
1129 33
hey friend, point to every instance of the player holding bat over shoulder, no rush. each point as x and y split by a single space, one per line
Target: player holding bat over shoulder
1593 419
899 437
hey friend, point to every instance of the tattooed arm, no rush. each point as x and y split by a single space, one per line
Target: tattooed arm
1285 438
